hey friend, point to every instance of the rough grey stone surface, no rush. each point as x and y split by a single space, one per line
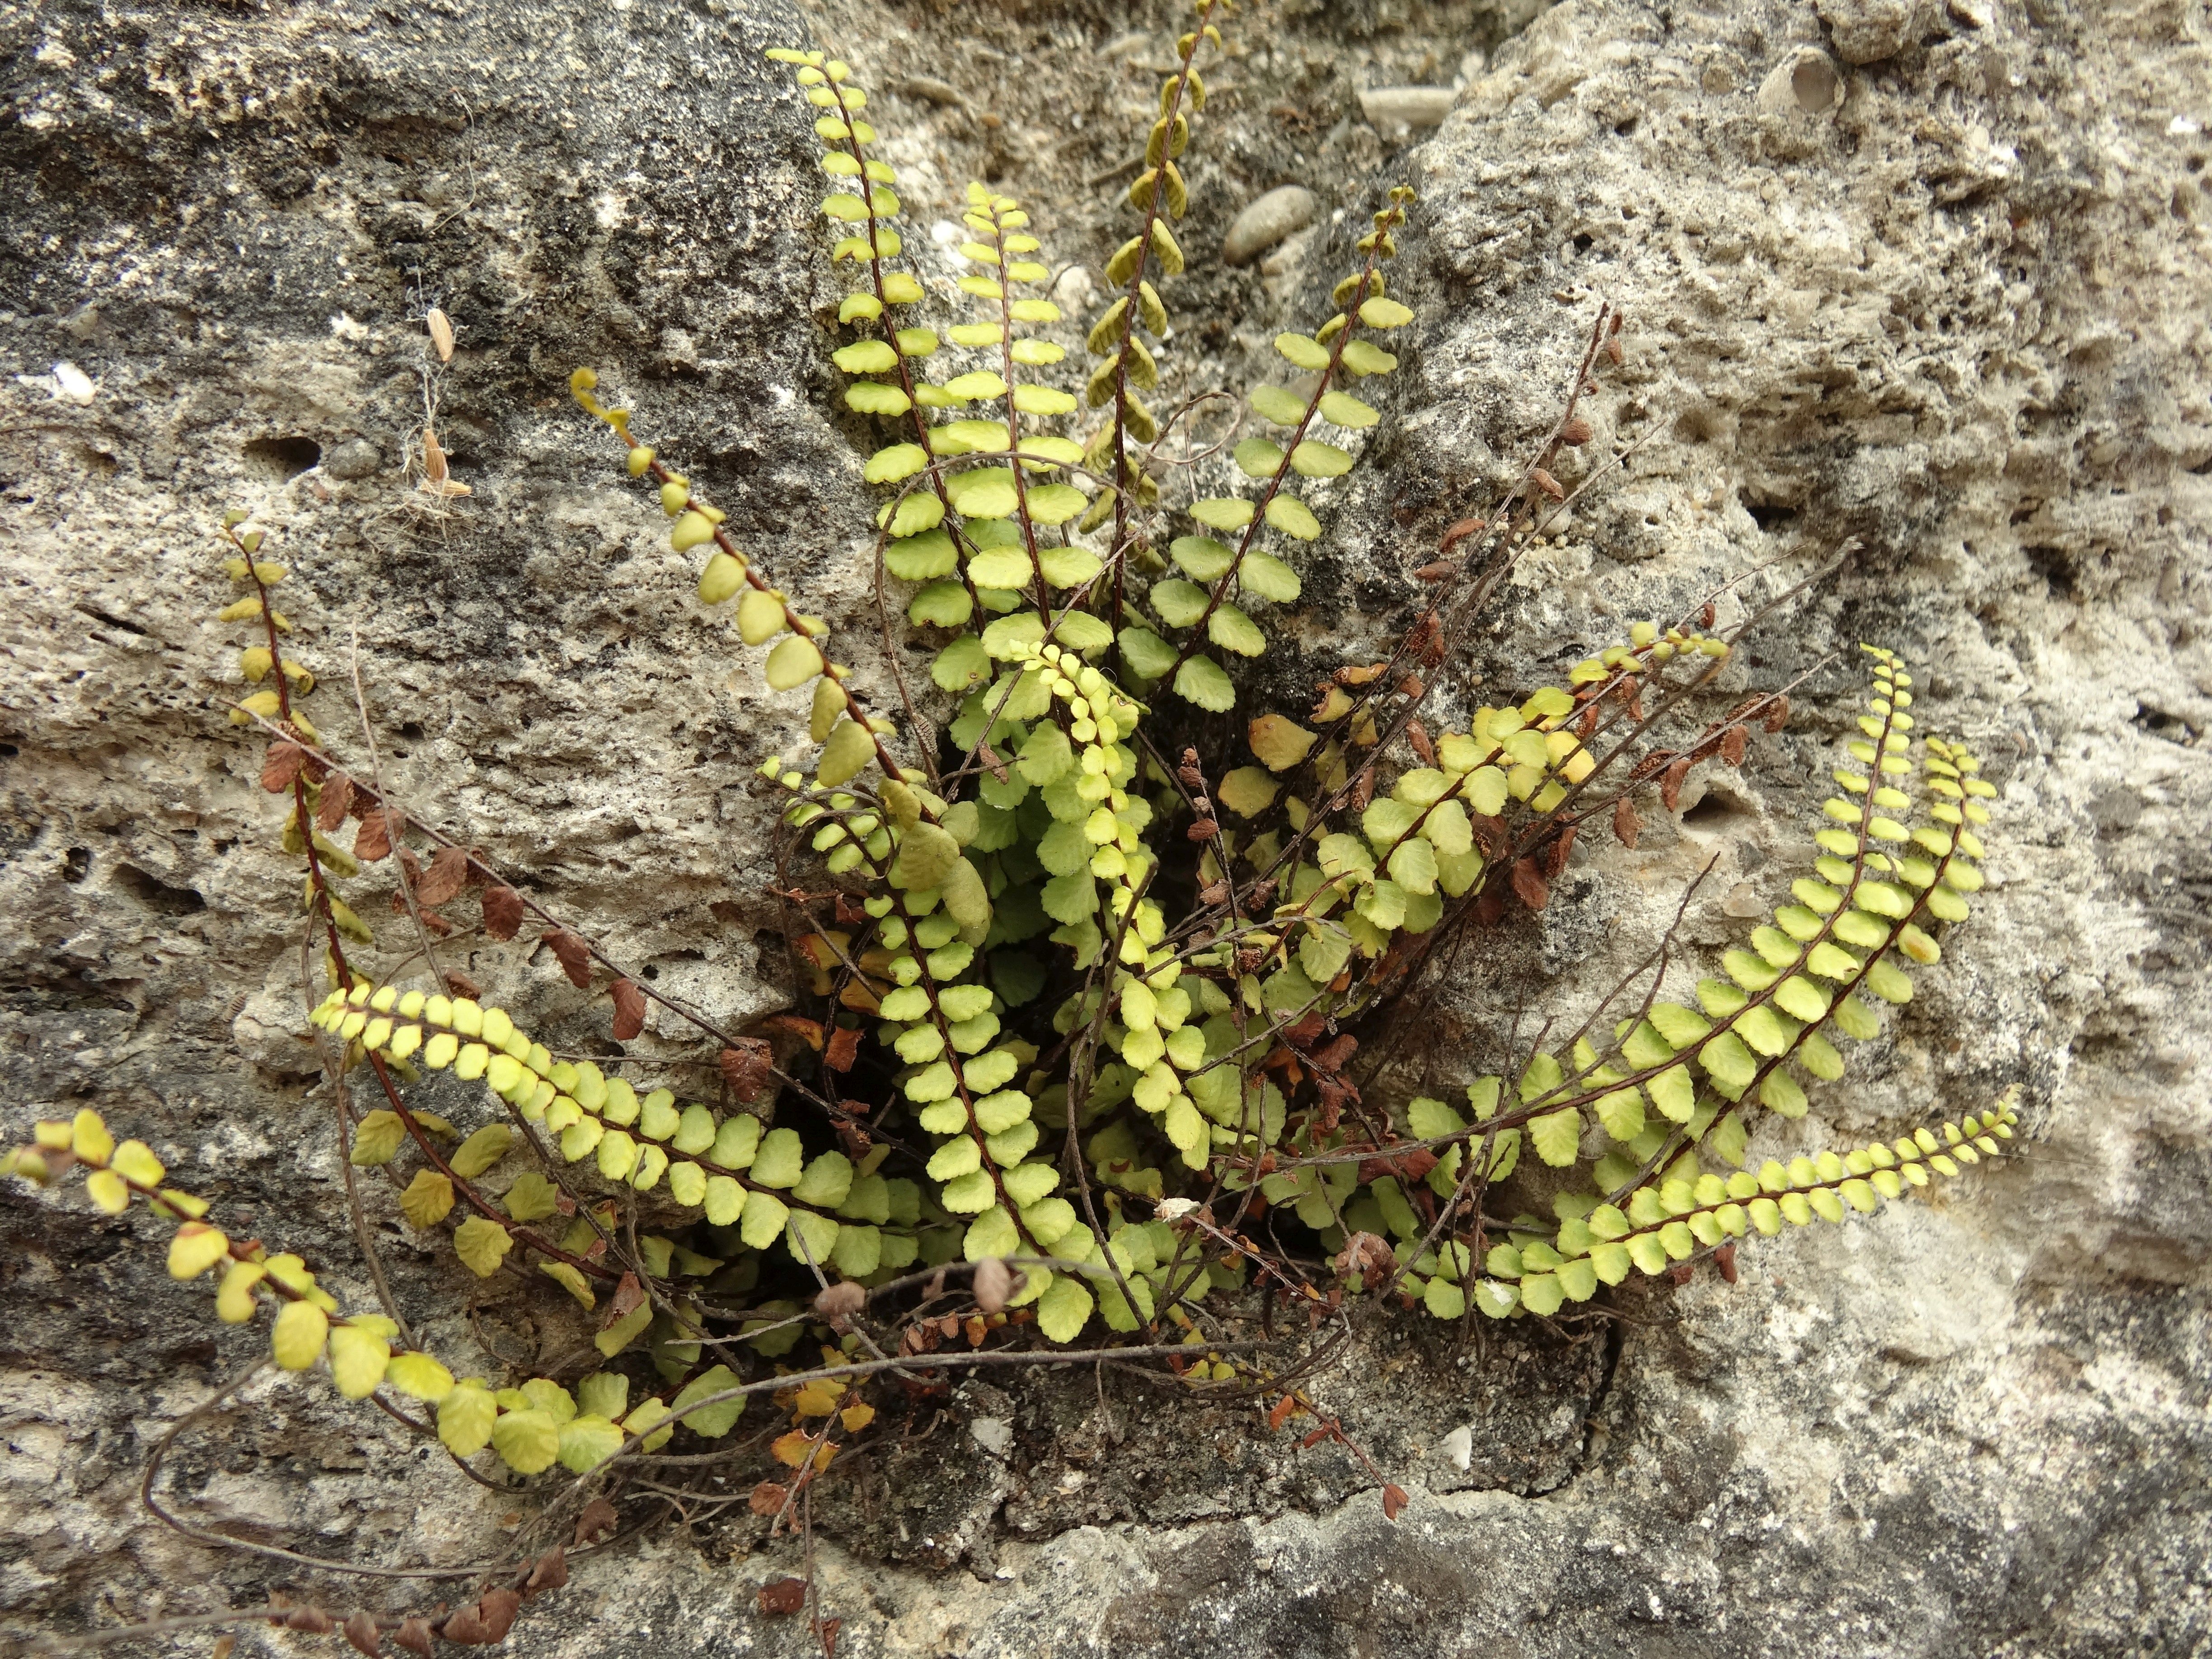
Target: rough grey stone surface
1934 286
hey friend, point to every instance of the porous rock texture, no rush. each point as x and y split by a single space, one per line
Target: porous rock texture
1927 281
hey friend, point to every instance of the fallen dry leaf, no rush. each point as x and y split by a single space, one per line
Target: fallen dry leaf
783 1596
502 911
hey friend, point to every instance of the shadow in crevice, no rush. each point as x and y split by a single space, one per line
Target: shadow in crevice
1715 809
284 457
155 894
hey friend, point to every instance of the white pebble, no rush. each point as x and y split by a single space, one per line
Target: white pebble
1806 83
1407 106
1459 1446
1266 221
1074 290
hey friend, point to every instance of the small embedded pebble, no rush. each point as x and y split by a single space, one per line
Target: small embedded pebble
1073 289
1868 30
1743 894
74 384
1407 106
1807 81
1266 221
930 88
1459 1446
356 457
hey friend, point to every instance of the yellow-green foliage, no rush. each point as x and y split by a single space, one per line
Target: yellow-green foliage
1110 978
726 1168
531 1427
1054 841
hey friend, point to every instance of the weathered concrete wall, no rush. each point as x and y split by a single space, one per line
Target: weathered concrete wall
1928 277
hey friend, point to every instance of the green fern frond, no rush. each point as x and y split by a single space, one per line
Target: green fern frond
1161 195
1854 925
531 1428
827 1210
1178 604
1667 1223
1677 1080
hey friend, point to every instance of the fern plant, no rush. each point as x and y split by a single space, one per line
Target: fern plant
1083 1002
